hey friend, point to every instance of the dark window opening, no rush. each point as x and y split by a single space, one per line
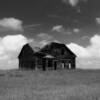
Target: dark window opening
62 52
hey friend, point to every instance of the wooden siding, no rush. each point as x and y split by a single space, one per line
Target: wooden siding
62 57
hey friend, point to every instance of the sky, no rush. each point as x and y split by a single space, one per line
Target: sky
76 23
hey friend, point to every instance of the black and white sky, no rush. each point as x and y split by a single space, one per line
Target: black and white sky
73 22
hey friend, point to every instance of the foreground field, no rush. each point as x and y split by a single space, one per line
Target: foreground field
50 85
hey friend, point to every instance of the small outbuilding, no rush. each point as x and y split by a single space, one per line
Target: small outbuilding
51 56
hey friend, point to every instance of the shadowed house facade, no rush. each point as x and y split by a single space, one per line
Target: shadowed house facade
51 56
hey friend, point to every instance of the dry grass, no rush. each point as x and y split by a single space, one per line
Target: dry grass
50 85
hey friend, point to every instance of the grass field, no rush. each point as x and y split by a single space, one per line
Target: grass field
50 85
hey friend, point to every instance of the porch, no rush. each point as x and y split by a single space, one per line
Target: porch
51 63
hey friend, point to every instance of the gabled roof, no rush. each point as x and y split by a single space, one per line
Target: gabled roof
26 50
55 44
31 50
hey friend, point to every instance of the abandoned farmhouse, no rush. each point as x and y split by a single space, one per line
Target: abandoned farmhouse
51 56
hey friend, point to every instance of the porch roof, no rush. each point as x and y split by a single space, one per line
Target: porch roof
49 56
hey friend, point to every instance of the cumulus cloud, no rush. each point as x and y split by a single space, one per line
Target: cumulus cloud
93 50
78 50
88 57
73 2
94 47
10 46
11 23
13 42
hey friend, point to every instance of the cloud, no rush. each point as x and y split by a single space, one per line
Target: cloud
45 42
31 26
13 42
45 36
87 57
92 50
61 29
58 28
73 3
10 46
94 47
97 20
84 37
42 39
78 50
76 30
11 23
39 43
88 63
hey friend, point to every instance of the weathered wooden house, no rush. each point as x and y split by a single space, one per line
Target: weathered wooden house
51 56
